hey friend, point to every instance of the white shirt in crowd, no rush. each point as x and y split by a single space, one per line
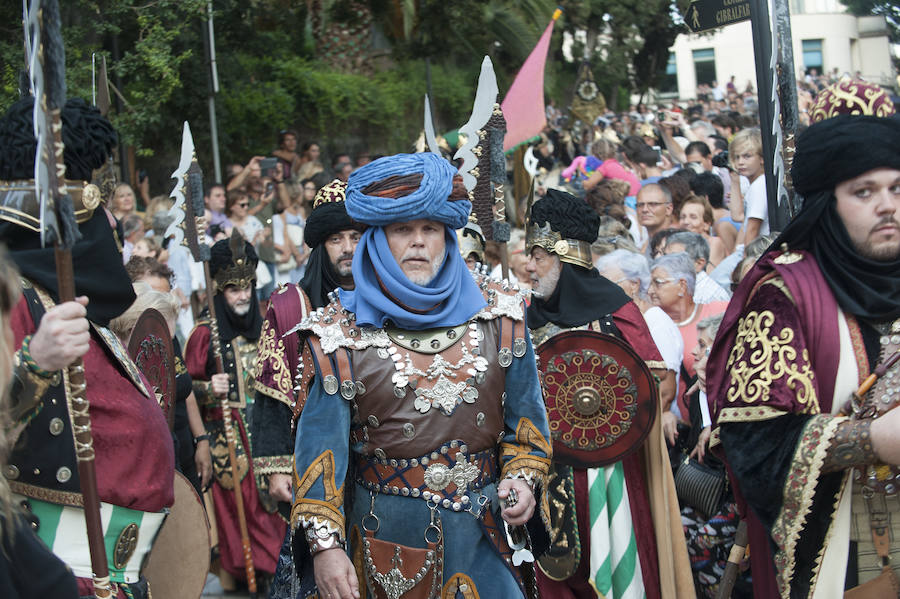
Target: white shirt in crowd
756 204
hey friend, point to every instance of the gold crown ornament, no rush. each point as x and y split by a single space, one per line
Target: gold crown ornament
241 270
19 204
573 251
336 191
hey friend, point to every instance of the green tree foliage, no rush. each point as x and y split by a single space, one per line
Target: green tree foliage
626 43
273 73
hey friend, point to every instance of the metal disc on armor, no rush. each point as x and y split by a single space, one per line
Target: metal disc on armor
601 397
150 347
179 561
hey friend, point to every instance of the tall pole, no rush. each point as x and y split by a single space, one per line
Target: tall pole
769 113
209 46
787 92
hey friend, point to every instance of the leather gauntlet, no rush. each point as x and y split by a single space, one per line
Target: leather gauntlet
851 446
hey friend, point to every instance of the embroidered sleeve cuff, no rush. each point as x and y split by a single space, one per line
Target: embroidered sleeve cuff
274 464
321 534
532 469
850 446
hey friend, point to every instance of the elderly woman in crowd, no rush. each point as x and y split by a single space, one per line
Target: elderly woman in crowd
629 270
672 280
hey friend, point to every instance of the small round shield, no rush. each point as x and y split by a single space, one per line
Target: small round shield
151 349
601 397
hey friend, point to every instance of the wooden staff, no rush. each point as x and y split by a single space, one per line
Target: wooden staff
733 566
187 229
46 57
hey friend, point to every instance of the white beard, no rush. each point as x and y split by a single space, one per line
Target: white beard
241 309
546 285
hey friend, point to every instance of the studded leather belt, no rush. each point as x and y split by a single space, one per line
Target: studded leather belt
443 476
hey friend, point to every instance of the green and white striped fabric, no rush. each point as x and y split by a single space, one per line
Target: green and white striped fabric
615 568
63 530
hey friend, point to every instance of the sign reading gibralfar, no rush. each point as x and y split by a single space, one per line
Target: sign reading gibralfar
703 15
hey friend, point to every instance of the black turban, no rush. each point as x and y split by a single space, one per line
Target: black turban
844 147
320 277
830 152
569 216
88 138
326 220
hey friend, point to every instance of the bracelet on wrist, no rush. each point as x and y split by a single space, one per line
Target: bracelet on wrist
320 539
200 438
29 360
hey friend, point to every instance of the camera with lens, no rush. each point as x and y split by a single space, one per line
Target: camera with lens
721 159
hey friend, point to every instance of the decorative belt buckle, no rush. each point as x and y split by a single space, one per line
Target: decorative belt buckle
439 476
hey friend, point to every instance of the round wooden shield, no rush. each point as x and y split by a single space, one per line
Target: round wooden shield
150 346
601 397
179 561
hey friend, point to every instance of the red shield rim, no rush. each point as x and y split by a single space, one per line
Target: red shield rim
601 397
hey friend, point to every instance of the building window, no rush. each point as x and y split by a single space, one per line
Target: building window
669 81
705 66
812 55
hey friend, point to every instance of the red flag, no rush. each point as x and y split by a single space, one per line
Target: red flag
523 105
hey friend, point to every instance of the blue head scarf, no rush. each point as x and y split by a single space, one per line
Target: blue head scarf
383 292
429 201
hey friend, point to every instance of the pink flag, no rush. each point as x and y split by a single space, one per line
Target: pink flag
523 105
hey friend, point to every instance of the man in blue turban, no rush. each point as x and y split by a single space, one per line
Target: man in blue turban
420 422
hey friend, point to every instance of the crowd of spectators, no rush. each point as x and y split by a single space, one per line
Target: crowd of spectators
267 200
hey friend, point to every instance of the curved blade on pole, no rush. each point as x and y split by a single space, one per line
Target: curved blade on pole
430 138
485 97
185 227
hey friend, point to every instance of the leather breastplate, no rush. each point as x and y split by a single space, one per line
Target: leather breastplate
430 387
240 361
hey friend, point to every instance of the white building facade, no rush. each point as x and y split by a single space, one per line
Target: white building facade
825 37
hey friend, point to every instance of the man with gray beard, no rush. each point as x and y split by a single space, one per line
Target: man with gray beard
418 406
569 294
232 265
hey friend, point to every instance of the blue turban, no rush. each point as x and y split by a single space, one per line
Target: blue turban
429 201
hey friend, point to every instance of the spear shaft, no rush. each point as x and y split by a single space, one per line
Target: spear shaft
46 56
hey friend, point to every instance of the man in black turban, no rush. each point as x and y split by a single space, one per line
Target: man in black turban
333 236
570 294
814 455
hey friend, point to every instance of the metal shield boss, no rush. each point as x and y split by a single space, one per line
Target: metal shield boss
601 397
